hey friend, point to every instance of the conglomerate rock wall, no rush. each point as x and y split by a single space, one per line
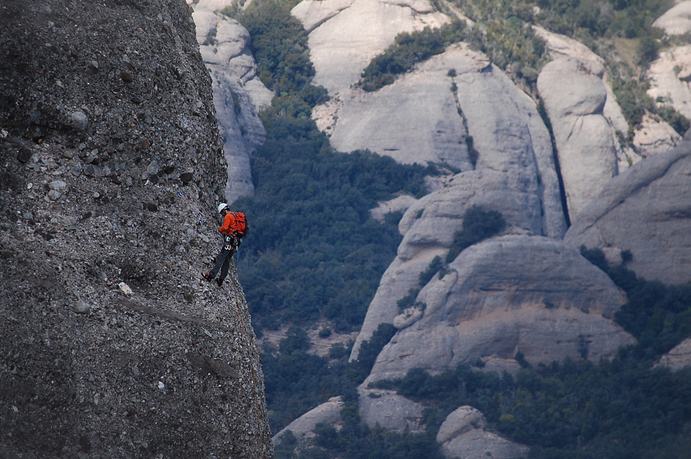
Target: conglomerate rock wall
111 168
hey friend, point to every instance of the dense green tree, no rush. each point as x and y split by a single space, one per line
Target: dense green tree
478 224
314 251
407 50
613 409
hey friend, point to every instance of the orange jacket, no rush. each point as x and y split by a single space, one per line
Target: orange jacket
228 226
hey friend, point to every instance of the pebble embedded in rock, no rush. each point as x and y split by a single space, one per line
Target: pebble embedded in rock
54 195
93 66
24 155
186 177
126 76
81 307
58 185
79 120
125 289
153 168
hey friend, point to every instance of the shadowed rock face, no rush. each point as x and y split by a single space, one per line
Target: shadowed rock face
111 167
648 212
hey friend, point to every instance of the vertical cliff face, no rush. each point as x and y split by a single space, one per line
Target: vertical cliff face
111 166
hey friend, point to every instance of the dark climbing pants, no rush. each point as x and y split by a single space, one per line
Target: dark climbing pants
223 262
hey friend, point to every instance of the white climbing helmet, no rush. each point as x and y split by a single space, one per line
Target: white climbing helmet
222 206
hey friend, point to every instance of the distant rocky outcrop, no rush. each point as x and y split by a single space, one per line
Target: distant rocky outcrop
646 211
387 409
561 46
428 228
112 166
415 120
303 427
514 174
653 136
524 296
585 141
344 35
509 295
679 357
670 79
677 20
238 92
463 435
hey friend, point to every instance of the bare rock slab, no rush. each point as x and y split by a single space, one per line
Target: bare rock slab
344 35
679 357
646 211
507 295
462 435
677 20
303 427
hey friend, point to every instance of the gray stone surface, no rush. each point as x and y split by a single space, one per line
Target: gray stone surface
428 229
670 79
172 370
79 120
655 136
481 444
238 92
585 141
460 421
514 175
677 20
421 118
462 435
328 412
414 120
507 295
344 35
389 410
679 357
647 211
397 204
561 46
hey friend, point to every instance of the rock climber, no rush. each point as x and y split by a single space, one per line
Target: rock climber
232 229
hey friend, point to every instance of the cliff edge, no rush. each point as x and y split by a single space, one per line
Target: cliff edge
111 169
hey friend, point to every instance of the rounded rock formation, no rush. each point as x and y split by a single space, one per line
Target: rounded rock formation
462 435
677 20
509 295
303 427
646 211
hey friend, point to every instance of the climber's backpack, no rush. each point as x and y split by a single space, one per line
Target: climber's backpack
241 228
